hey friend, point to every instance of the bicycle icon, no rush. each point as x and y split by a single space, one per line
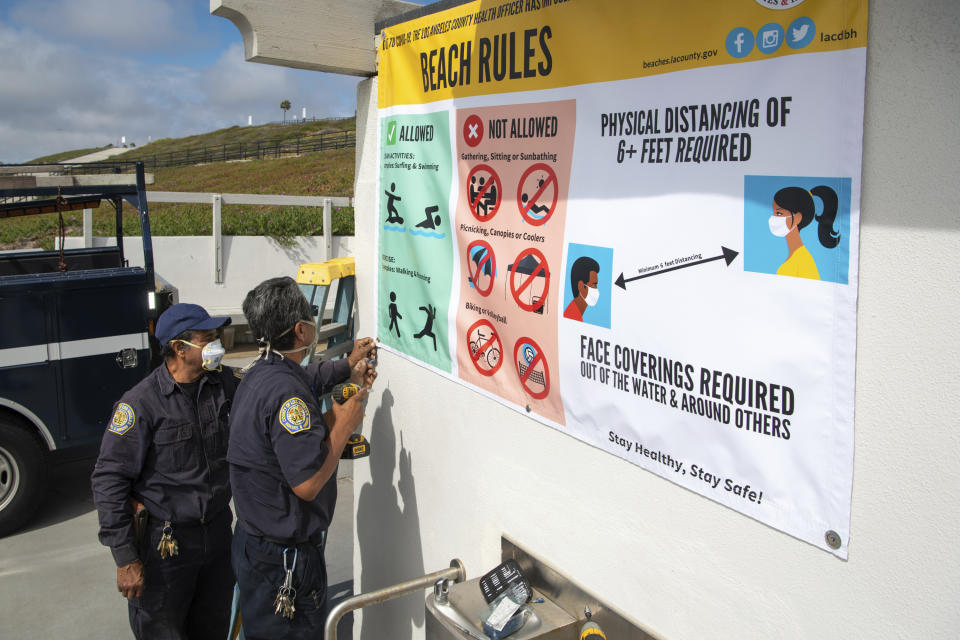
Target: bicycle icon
492 353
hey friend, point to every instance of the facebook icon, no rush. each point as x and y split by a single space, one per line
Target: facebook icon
740 42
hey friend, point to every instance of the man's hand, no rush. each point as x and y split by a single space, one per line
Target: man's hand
363 374
130 579
363 349
346 418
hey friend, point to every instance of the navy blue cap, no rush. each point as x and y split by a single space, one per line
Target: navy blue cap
185 317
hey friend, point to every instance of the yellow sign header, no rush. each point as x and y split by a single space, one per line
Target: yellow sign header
497 46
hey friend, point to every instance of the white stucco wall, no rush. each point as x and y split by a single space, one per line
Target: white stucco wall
675 562
187 262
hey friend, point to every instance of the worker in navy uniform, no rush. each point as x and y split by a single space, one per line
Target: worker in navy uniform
165 450
283 458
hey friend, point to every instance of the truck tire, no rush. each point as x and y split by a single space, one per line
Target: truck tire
23 475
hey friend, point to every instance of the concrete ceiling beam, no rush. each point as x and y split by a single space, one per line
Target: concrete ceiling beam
323 35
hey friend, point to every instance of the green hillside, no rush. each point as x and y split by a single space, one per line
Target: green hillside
327 173
64 155
236 135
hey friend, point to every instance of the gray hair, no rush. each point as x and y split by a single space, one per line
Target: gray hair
168 351
272 308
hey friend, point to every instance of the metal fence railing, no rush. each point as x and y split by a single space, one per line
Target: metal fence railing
257 150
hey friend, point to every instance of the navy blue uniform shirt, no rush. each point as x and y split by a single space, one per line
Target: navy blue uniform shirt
278 441
167 450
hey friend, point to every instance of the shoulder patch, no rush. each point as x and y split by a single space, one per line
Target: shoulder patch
123 419
295 416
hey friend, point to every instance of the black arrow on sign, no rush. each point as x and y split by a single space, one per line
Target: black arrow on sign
728 255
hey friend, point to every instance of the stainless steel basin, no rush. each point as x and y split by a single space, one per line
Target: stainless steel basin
460 616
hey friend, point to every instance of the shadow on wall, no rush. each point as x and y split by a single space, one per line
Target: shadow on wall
389 535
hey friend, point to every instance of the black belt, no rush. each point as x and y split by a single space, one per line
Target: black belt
188 523
318 539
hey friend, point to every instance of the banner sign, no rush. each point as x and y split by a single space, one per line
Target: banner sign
637 222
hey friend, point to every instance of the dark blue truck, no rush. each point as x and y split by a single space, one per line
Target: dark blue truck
76 328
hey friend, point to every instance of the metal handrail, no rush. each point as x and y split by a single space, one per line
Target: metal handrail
456 572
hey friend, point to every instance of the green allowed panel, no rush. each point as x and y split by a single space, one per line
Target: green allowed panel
416 243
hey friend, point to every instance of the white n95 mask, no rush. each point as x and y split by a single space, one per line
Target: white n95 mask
212 353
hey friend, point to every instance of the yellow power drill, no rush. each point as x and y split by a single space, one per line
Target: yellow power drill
357 445
590 629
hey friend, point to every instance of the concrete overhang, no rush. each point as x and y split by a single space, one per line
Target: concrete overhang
323 35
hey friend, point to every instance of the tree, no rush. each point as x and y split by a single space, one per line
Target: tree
285 105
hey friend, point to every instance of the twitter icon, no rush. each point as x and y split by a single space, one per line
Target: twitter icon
800 33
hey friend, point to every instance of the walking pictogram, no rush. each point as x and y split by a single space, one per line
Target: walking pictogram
481 266
394 314
484 192
532 368
530 280
473 130
427 330
485 347
537 194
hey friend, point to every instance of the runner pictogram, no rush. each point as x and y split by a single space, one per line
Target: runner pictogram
484 192
473 130
532 368
482 266
530 280
537 194
485 347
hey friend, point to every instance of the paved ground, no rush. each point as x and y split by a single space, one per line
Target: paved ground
99 156
57 581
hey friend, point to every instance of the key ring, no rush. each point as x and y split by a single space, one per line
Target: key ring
295 552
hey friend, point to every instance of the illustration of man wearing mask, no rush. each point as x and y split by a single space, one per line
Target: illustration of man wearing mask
583 282
794 209
163 463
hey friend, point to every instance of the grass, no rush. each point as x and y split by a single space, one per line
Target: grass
329 173
234 135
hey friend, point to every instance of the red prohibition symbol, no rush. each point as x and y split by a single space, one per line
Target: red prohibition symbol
473 130
528 356
531 200
524 274
485 347
484 192
481 261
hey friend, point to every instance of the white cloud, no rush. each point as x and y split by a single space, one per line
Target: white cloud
138 25
56 96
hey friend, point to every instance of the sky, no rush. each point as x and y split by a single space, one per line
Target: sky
76 74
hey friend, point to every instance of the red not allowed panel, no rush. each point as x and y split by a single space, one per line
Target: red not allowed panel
488 262
528 279
531 209
486 350
478 196
527 367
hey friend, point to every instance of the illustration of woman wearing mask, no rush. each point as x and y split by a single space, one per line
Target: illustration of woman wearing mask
793 209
